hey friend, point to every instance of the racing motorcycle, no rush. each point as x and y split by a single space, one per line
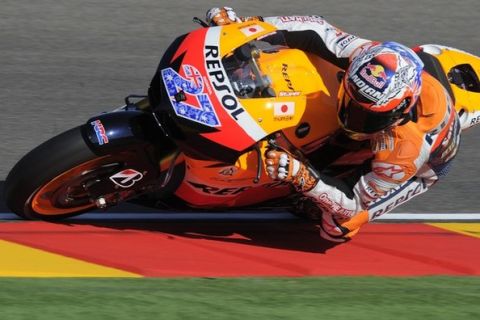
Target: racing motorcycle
220 98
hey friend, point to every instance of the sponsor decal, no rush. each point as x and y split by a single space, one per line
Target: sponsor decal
219 80
286 77
397 197
126 178
365 89
374 74
333 206
448 137
292 94
382 142
230 171
283 110
211 190
302 19
225 101
451 142
388 171
196 105
218 191
373 82
343 42
252 30
474 120
100 132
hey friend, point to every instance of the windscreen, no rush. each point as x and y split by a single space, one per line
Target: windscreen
243 69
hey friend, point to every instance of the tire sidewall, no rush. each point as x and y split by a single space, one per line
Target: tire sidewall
41 165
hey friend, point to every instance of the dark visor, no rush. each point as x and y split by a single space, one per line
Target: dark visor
356 118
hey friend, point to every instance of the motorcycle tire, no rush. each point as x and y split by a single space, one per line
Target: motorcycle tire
48 182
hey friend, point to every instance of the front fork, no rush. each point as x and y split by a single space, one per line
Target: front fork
137 143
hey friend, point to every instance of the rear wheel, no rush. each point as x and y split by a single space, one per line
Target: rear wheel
54 180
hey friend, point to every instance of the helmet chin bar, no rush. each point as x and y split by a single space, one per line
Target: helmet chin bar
359 136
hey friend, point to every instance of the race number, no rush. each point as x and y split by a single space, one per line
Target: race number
200 108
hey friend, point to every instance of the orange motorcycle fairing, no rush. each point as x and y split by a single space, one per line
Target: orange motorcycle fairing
220 97
248 90
221 185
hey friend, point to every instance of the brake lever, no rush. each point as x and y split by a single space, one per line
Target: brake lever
200 22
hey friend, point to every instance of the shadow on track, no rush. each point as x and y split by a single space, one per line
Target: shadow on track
296 235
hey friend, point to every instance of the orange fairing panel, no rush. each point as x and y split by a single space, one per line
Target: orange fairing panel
208 184
234 35
214 108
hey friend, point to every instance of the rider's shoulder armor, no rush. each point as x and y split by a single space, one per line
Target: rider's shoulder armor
407 147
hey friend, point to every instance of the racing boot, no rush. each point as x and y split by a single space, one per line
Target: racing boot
281 165
338 229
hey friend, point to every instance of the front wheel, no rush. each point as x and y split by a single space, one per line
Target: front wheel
56 179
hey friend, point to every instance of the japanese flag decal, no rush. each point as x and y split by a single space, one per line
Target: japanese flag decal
252 30
126 178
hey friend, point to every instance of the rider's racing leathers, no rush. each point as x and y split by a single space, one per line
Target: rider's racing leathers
407 158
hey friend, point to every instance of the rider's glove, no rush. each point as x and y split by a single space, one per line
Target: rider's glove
281 165
221 16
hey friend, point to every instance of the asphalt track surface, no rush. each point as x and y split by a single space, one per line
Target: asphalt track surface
64 61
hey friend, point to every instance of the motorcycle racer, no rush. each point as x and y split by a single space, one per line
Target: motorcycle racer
386 100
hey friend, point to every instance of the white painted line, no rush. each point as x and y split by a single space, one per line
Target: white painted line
8 216
233 216
430 216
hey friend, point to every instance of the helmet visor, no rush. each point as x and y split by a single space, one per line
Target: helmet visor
356 118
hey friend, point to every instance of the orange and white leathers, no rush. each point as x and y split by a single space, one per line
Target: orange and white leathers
408 159
340 43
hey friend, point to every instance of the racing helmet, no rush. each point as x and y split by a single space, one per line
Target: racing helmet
379 89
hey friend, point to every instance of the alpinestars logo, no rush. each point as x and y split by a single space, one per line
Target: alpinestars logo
126 178
389 171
